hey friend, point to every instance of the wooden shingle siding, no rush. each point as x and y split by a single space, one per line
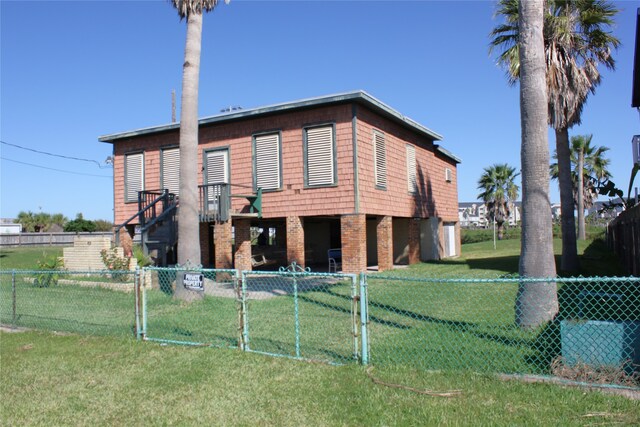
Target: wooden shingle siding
434 196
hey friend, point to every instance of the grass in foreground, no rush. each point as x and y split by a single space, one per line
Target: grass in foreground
51 379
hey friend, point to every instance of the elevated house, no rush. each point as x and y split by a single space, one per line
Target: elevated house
290 182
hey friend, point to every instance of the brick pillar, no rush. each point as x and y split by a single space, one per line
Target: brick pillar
295 240
205 250
353 229
384 231
222 241
243 244
414 241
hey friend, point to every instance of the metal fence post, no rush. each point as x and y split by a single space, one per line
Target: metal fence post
136 292
245 316
13 299
143 332
297 315
355 317
364 318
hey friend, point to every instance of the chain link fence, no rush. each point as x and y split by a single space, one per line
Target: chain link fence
421 323
206 315
458 324
92 302
301 314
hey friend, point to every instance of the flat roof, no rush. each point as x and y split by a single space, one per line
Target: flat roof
358 96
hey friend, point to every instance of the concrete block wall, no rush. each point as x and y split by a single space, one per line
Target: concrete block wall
85 255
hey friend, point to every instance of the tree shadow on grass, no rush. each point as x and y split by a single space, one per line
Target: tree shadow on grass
472 328
506 264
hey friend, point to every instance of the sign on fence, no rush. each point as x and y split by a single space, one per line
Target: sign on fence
192 280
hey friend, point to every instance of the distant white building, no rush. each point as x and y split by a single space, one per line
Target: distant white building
475 214
472 214
10 228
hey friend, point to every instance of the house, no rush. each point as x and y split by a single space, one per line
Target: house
341 172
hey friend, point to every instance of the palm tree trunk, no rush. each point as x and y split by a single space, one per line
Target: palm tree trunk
500 230
188 223
582 235
537 302
569 260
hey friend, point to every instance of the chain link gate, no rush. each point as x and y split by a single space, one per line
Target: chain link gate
299 314
207 316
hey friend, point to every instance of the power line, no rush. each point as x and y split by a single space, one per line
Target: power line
57 170
55 155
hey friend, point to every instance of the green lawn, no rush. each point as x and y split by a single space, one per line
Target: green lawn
51 379
25 258
423 334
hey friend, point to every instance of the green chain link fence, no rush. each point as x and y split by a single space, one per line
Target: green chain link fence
301 314
211 318
459 324
422 323
91 302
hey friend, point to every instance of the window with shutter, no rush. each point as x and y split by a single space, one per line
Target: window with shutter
380 160
267 170
133 176
216 171
320 159
170 170
412 185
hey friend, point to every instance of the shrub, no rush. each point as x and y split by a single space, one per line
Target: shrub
48 264
112 261
143 259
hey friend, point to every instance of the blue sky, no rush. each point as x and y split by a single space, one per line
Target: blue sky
72 71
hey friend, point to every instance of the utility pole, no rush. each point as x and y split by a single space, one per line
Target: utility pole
173 105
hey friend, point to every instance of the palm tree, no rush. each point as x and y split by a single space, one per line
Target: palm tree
499 191
537 302
594 165
188 224
576 42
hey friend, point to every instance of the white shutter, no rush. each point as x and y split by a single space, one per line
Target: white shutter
320 156
217 170
267 161
134 179
380 159
171 170
411 169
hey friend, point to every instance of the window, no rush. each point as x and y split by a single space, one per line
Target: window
267 170
133 176
170 170
216 172
379 160
319 156
412 184
217 167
